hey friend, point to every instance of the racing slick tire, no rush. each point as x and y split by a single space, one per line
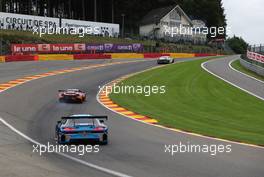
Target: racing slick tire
80 101
60 139
105 140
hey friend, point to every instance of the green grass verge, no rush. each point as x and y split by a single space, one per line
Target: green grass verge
198 102
236 64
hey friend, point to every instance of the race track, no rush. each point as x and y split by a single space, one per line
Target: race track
222 69
134 149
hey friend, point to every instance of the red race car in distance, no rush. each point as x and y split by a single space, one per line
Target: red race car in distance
72 95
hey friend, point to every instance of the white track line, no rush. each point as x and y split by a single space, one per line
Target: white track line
247 91
230 65
177 130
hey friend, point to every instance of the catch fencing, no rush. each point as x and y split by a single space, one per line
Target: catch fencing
256 48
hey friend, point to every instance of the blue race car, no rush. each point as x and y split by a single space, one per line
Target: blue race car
82 128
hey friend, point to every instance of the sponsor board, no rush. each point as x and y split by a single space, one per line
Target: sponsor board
108 47
255 56
22 22
75 48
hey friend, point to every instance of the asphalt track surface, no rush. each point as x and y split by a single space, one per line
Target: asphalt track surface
222 69
134 148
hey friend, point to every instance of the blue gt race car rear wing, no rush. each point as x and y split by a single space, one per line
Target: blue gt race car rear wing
85 117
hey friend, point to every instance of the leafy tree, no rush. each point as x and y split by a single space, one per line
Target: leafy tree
237 44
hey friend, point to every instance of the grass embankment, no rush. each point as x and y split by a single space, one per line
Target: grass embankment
236 64
198 102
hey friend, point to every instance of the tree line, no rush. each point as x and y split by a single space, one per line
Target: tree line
111 11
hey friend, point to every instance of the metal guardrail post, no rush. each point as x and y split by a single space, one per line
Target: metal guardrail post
256 48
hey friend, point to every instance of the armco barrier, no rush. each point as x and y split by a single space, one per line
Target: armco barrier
253 67
126 55
13 58
90 56
2 59
155 55
181 55
51 57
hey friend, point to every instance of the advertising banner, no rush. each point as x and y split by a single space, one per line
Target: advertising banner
255 56
62 48
79 47
76 48
114 48
22 22
95 47
43 48
109 47
138 47
24 48
123 48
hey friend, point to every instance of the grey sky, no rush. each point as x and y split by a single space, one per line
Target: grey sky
246 19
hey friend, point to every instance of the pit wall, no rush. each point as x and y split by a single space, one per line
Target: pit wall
51 57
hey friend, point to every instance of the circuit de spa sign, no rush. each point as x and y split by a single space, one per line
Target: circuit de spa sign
21 22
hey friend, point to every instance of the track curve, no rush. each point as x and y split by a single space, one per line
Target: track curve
222 69
135 149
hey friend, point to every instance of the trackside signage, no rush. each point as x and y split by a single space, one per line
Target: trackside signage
255 56
21 22
75 48
47 48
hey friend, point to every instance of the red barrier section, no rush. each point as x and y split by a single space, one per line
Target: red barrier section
90 56
155 55
255 56
11 58
203 54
